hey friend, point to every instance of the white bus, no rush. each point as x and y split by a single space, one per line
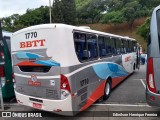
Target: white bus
59 67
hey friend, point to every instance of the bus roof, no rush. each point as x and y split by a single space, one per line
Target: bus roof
83 29
7 33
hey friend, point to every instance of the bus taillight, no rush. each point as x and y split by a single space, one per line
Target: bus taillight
64 83
65 87
150 76
2 55
2 73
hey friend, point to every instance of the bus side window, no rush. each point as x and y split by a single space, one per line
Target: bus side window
114 51
125 46
80 46
102 49
118 46
128 47
122 47
132 46
108 46
92 46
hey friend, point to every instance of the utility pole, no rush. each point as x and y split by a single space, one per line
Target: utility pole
50 11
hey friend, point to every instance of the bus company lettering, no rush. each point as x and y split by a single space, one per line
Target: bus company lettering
127 58
34 43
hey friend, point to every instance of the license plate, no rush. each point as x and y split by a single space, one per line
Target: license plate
36 105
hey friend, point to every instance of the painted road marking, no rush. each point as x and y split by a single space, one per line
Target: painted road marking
124 105
101 104
139 79
143 83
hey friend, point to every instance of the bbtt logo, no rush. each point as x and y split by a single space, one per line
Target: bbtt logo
33 78
34 43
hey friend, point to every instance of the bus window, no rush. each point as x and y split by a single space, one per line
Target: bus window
92 46
130 46
122 46
102 49
134 46
118 46
113 46
158 25
125 46
80 46
108 44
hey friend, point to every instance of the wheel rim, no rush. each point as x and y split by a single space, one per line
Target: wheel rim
107 89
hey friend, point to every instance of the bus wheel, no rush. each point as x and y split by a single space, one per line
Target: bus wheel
107 90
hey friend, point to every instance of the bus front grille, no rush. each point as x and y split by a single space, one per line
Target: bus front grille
35 68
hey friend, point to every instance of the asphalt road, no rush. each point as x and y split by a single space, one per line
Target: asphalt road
127 96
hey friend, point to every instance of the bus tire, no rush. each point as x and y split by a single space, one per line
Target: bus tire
107 89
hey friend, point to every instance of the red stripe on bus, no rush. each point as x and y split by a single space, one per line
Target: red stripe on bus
117 80
26 63
99 92
95 95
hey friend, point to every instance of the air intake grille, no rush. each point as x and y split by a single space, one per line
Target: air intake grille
35 68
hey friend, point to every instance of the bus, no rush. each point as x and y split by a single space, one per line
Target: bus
6 69
153 54
59 67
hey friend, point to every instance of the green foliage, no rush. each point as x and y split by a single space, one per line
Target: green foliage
131 11
114 17
124 11
83 12
143 30
91 11
9 23
80 4
69 12
32 17
64 11
57 13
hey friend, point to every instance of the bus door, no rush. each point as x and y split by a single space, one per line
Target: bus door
138 58
126 57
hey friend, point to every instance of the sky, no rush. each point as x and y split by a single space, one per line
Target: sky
10 7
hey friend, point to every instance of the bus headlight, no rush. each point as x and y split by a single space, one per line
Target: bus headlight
3 81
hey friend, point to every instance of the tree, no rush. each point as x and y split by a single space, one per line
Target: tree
91 12
35 16
64 11
114 17
31 17
69 11
57 12
114 5
9 23
143 30
131 12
